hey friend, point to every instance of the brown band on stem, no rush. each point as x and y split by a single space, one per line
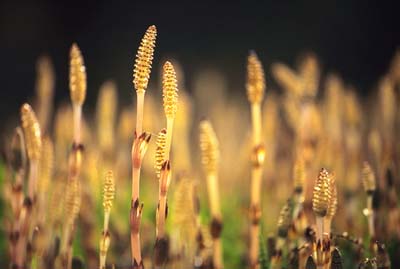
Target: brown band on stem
17 188
14 236
137 265
78 146
161 251
309 234
326 245
71 235
75 159
196 202
135 216
298 190
255 214
136 162
258 156
29 252
200 240
216 228
139 149
165 177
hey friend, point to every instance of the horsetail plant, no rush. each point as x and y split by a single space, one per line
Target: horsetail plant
141 76
210 158
77 85
170 103
322 204
33 144
108 198
320 201
255 93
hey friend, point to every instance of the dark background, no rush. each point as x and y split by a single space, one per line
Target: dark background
354 38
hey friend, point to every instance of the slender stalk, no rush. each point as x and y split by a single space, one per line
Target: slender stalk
170 125
213 195
327 226
135 218
285 222
139 148
255 209
135 183
104 245
136 210
217 253
210 156
255 93
162 242
320 228
162 203
256 180
139 111
32 182
370 216
256 122
77 121
299 178
72 205
216 224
